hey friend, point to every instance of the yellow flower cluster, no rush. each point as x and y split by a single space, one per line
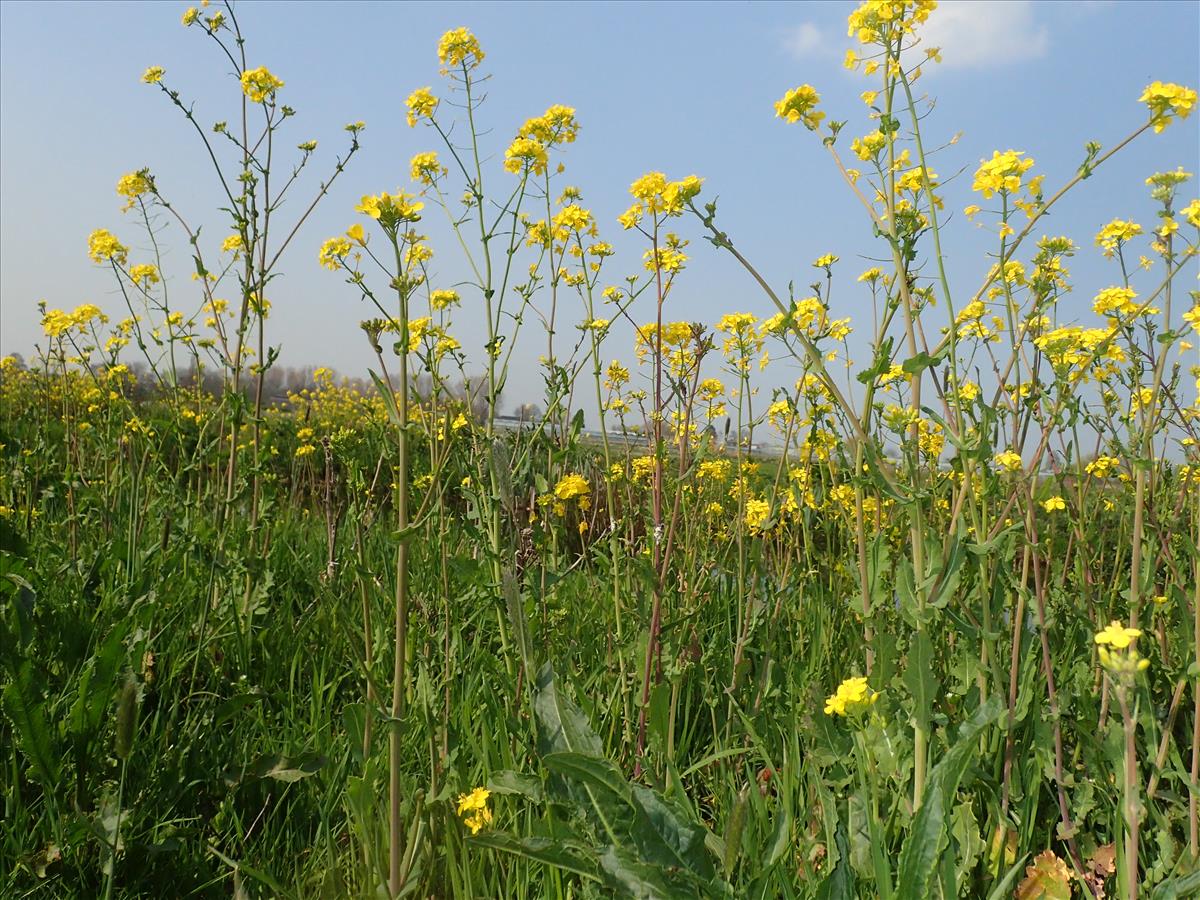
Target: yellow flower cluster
1009 460
1167 102
1117 651
1071 348
133 185
757 513
421 103
332 252
557 125
104 247
259 84
1115 233
525 152
144 273
426 168
459 47
1102 466
391 209
879 21
572 486
654 195
474 811
57 323
800 105
1115 301
852 697
1002 172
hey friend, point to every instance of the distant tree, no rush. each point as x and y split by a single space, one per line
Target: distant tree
528 412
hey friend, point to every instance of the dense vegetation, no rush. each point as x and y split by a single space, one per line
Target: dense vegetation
371 640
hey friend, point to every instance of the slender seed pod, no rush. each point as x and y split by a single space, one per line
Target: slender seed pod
127 710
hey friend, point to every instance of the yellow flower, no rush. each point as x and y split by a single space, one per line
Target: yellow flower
421 103
524 152
426 168
1192 317
852 697
1116 233
757 513
1167 102
259 84
459 48
103 247
800 105
1009 460
824 262
133 185
1054 503
557 125
473 809
1117 651
190 15
443 299
571 486
391 209
1115 301
332 253
144 272
153 75
1001 173
232 244
1117 636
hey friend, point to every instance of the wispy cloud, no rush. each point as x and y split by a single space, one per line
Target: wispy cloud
973 34
807 40
985 34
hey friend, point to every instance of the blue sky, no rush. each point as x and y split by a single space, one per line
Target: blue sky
685 89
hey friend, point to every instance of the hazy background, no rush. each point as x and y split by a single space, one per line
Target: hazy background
681 88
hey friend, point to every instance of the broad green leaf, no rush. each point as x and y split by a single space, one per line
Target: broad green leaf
928 834
568 856
922 684
839 883
279 767
510 782
635 879
24 706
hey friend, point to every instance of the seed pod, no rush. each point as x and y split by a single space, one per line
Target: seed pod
733 831
127 710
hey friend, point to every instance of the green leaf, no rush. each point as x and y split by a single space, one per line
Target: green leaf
922 361
1003 887
666 837
623 872
234 705
1177 888
517 620
570 857
510 782
25 708
927 837
918 677
279 767
839 883
561 725
389 401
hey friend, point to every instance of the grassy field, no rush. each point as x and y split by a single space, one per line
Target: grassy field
370 640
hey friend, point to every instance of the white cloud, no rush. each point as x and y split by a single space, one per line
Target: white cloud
806 40
981 34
